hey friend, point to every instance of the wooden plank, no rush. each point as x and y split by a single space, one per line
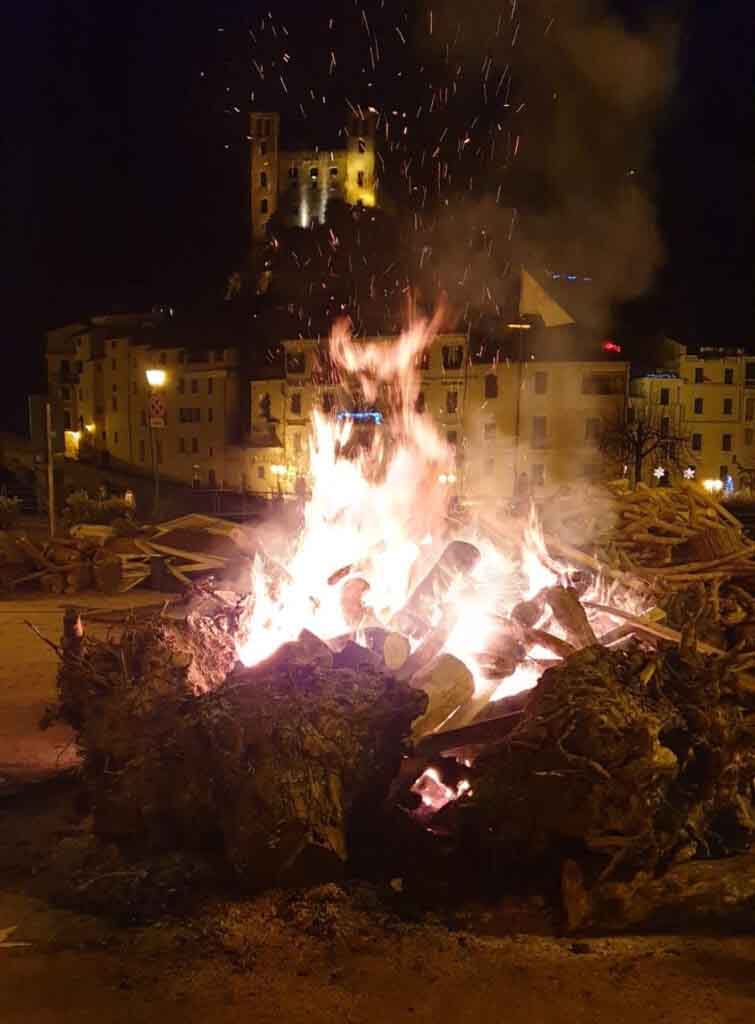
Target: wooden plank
651 628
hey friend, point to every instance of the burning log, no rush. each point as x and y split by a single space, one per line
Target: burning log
392 648
352 593
448 684
459 559
571 616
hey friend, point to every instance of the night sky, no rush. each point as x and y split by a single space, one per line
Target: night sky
126 167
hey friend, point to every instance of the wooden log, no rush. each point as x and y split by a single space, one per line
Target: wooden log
459 558
571 616
448 684
653 629
489 733
431 645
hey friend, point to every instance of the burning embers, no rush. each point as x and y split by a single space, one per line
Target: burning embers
467 614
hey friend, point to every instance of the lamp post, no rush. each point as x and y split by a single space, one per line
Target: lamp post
156 379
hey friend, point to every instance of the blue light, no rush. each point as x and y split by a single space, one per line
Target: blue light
376 417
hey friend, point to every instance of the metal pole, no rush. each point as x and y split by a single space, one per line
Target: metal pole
155 468
50 472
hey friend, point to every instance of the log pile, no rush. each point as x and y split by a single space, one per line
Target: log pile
274 765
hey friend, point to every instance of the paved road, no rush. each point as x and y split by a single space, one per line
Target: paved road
27 683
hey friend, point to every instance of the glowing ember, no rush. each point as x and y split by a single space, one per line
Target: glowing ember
435 793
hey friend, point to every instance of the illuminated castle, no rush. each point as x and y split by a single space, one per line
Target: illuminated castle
300 182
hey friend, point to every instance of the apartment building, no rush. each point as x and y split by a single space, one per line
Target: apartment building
707 397
535 405
101 399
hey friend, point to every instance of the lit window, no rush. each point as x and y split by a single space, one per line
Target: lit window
314 173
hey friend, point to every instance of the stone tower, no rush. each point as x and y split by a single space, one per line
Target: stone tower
361 184
264 131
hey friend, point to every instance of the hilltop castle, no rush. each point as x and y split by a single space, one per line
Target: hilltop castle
300 182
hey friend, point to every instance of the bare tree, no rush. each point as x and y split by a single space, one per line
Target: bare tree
641 436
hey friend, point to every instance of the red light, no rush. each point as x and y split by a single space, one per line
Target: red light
610 346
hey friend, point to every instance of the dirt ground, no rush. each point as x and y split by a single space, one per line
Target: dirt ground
353 954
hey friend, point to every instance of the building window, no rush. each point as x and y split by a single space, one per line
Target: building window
195 445
210 385
723 472
210 415
81 394
452 401
664 426
313 173
263 206
749 409
144 418
212 480
698 406
539 426
182 445
134 388
115 437
453 357
181 385
665 396
186 415
65 366
158 451
194 386
699 375
488 432
297 443
114 403
65 394
541 382
419 405
293 171
296 404
538 475
67 420
452 437
728 406
726 443
142 451
728 376
631 415
260 472
295 363
263 148
422 361
327 402
334 172
748 436
602 384
360 179
592 429
750 373
491 386
263 179
697 442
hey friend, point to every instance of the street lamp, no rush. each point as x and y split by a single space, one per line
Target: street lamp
156 379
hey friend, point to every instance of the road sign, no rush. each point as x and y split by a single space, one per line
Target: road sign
156 410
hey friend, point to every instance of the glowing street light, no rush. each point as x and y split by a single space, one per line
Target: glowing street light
713 486
156 378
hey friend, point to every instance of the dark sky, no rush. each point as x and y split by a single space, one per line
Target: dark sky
125 166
